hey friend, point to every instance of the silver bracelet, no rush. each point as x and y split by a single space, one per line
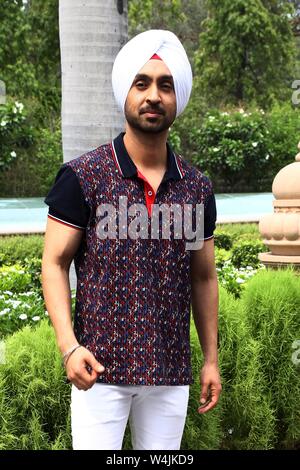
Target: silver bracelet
68 353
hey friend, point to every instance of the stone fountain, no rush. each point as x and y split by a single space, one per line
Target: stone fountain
281 230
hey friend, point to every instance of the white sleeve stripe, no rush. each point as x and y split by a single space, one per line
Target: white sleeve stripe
208 238
65 222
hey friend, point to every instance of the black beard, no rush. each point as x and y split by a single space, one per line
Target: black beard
151 125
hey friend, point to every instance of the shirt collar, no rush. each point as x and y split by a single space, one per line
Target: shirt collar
128 168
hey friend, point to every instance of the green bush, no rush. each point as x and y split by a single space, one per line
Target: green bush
246 253
240 231
15 248
266 388
20 309
235 279
14 278
259 405
223 240
33 267
242 151
34 398
15 132
47 159
221 256
33 172
20 277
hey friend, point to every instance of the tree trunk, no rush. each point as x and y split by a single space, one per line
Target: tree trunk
91 34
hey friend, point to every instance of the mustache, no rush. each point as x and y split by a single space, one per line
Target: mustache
152 110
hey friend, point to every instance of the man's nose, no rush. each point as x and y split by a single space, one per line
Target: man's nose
153 94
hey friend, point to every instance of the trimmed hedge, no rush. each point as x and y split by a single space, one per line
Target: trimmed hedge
242 151
34 398
15 248
259 405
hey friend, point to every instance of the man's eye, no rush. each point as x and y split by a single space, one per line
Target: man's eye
140 84
167 85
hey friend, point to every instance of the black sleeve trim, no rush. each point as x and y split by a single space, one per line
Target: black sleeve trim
66 200
210 217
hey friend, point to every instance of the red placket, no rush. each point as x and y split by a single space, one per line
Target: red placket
149 192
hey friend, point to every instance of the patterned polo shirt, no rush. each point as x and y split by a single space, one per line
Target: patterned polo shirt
133 296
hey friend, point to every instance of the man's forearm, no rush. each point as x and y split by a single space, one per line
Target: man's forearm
57 295
205 300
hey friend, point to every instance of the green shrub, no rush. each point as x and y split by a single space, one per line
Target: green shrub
47 159
266 388
33 173
14 278
235 279
246 253
223 240
20 309
221 256
33 267
34 398
15 248
15 132
241 231
259 405
242 151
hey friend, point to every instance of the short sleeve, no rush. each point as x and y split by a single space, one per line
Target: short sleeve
210 217
66 200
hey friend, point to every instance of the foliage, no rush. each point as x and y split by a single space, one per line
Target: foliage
21 300
15 248
34 398
14 277
15 132
152 14
29 49
33 173
221 256
258 408
15 69
242 150
235 279
283 124
182 17
245 253
246 53
222 239
240 231
265 389
18 309
174 140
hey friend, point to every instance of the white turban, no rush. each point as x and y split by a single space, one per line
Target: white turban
136 53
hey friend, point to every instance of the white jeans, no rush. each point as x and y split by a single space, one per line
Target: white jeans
156 415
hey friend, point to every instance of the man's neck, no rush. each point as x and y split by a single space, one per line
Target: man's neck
148 151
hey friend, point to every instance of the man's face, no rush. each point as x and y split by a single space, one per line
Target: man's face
151 102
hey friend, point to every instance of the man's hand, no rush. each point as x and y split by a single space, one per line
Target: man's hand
210 387
77 371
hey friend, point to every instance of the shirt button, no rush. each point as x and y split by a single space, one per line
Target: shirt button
149 193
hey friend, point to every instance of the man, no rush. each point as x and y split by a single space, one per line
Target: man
128 355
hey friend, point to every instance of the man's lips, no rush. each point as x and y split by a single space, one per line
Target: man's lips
152 112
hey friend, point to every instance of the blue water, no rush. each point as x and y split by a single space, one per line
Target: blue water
30 214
